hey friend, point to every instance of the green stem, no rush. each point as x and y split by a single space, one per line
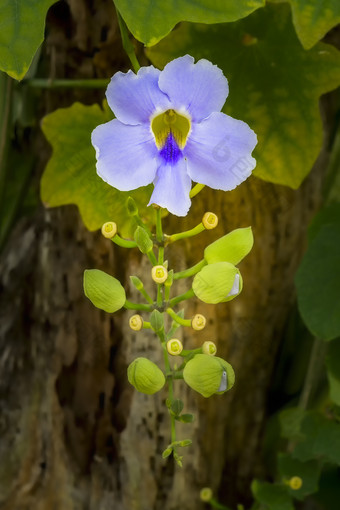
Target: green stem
188 233
171 392
159 229
137 306
147 325
182 297
6 86
124 243
312 372
195 190
191 271
219 506
127 44
43 83
152 258
177 318
146 295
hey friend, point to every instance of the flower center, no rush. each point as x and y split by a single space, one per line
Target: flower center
170 128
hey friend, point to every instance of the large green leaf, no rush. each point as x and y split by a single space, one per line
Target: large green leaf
70 176
318 284
22 24
275 84
314 18
151 20
272 496
309 473
333 370
321 439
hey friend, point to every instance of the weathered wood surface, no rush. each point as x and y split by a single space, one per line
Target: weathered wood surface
74 434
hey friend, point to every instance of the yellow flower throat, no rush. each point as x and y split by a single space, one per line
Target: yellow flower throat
170 122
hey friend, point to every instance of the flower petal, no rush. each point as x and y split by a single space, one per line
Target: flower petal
199 89
135 97
172 187
218 152
126 155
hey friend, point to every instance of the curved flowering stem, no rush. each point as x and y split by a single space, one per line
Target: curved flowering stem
178 318
188 233
137 306
124 243
127 44
191 271
196 189
182 297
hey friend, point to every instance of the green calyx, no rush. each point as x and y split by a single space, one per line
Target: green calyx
145 376
217 283
209 375
104 291
232 247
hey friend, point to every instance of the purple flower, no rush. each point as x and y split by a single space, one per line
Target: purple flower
169 131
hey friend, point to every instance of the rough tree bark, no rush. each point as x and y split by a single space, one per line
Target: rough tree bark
74 434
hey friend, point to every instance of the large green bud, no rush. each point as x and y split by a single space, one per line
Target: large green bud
217 283
104 291
209 375
232 247
145 376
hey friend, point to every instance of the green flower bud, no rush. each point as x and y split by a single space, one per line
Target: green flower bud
214 282
157 321
109 229
159 274
104 291
145 376
143 240
136 282
209 375
131 207
232 247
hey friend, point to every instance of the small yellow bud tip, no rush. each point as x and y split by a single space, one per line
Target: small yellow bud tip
295 483
136 322
198 322
206 494
159 274
109 229
210 220
174 347
209 348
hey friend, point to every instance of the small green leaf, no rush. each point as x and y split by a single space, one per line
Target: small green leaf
232 247
143 240
274 497
318 284
185 442
214 282
177 406
186 418
70 176
104 291
309 472
157 321
145 376
22 32
290 422
321 439
274 86
333 370
166 453
151 20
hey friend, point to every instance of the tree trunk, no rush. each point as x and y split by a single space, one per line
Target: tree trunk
74 433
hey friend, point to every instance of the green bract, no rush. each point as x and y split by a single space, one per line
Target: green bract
143 240
232 247
104 291
208 375
145 376
214 282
